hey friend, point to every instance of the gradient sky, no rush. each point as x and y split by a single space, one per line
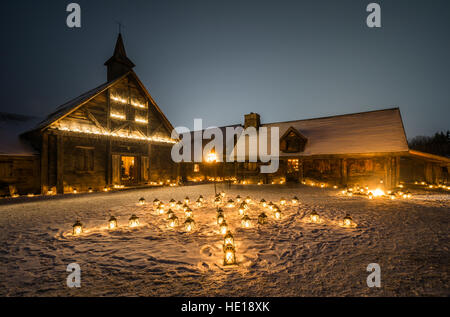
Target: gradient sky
218 60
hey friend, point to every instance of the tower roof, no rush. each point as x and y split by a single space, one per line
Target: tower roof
120 55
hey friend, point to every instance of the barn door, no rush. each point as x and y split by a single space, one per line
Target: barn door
144 168
116 169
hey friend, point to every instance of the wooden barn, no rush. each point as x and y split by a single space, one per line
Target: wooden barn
114 135
368 148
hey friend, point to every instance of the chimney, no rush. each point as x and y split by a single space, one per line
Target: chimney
252 120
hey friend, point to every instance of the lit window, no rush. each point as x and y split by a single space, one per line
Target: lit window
196 168
293 165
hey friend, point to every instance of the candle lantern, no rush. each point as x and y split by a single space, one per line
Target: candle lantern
262 218
200 198
188 212
408 194
241 210
199 203
238 199
75 190
229 255
142 201
245 222
186 200
222 194
314 217
170 214
77 228
189 224
112 223
348 221
294 201
156 202
228 239
173 222
370 195
106 188
220 218
161 205
263 203
223 227
230 203
217 201
133 221
392 196
172 203
282 202
248 200
277 213
179 205
270 205
90 190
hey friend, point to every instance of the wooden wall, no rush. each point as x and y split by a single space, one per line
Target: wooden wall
19 174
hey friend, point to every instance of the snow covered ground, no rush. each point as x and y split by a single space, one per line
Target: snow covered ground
287 257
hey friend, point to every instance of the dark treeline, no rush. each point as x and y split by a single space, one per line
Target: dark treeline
438 144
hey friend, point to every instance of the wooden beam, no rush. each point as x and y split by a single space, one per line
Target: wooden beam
44 164
59 164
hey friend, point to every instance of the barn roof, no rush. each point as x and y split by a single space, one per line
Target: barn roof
72 105
377 131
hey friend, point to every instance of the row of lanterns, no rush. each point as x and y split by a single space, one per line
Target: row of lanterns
347 222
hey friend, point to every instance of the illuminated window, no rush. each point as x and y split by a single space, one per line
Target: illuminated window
196 168
293 165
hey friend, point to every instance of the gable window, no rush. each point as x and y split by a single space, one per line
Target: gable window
84 159
292 141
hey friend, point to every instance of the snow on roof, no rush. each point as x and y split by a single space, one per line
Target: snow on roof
358 133
11 126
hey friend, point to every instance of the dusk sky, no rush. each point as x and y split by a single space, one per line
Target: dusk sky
218 60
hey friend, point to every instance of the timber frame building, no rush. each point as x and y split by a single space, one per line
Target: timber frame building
115 135
112 135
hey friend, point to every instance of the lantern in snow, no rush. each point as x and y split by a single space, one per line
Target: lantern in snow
230 203
263 203
348 221
294 201
199 203
188 212
370 195
222 194
133 221
179 205
161 205
142 201
392 196
172 203
241 210
277 213
77 228
186 200
238 199
322 185
282 202
408 195
106 188
262 218
245 222
90 190
349 193
170 214
248 200
112 223
189 224
228 239
314 217
220 218
229 255
223 227
75 190
200 198
217 201
156 202
173 222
